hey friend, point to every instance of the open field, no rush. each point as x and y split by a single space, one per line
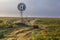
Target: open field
48 29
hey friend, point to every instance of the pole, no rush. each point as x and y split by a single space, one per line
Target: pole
21 16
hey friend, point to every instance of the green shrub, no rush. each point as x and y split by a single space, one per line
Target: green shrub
1 21
1 35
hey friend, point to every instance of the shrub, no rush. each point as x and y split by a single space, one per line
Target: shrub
1 21
1 35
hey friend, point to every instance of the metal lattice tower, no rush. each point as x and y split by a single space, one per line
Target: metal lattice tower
21 8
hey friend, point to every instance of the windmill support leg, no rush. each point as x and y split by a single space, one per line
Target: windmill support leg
21 17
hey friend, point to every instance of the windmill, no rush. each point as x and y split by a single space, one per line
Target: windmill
21 7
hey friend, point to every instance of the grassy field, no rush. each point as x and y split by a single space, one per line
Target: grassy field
49 29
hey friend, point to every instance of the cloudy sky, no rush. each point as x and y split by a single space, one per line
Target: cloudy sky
34 8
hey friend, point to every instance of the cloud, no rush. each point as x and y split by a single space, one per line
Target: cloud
34 7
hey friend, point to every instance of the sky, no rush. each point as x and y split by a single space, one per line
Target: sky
34 8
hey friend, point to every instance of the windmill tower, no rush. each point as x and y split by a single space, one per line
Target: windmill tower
21 7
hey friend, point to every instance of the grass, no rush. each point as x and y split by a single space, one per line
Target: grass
51 31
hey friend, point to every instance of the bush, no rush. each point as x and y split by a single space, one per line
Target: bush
1 35
1 21
7 24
